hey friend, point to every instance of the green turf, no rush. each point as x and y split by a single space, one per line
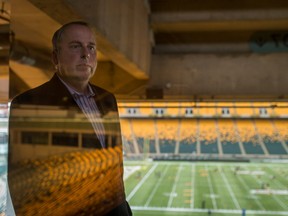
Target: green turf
194 188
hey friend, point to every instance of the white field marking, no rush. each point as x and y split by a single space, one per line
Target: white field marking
156 187
193 186
247 189
129 170
141 182
283 205
249 172
174 186
170 194
215 196
211 189
269 191
229 188
276 181
222 211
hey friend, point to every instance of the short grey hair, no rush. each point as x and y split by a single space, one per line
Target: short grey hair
58 34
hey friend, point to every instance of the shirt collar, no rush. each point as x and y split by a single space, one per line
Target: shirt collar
73 92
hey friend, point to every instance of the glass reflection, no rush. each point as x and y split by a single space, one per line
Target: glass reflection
54 163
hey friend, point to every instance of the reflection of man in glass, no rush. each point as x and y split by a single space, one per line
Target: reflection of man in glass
65 154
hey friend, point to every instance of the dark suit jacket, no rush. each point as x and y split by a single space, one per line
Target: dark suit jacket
54 93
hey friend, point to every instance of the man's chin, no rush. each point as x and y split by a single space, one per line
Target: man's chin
84 78
85 74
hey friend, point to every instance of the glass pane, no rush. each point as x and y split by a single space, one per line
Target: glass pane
195 101
4 95
65 139
90 141
30 137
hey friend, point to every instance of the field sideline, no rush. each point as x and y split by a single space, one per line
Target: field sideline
205 188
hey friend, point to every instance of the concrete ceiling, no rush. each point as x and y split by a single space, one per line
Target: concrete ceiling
177 27
186 26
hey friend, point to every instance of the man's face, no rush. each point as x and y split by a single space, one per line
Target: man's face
76 56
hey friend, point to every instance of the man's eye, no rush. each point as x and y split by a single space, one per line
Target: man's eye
75 46
92 48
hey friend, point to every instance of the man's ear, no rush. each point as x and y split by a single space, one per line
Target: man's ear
55 57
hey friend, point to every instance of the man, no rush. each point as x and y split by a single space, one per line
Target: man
75 58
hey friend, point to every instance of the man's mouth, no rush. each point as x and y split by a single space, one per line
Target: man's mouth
84 66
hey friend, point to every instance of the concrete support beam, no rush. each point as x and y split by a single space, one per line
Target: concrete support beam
4 82
221 76
221 15
215 30
121 28
34 78
222 25
116 80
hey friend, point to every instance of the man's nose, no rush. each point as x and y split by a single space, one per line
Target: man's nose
85 53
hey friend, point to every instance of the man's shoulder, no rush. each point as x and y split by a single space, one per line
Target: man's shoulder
41 95
101 92
30 95
99 89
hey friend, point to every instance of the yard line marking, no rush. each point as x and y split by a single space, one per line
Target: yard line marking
276 181
141 182
283 205
193 186
156 187
248 189
229 188
280 202
223 211
211 189
174 186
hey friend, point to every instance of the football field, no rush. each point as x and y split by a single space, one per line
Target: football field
206 188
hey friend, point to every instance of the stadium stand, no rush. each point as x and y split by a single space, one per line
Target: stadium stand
250 138
244 109
281 128
44 186
208 137
190 130
215 130
128 146
188 136
167 135
206 109
270 137
228 137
